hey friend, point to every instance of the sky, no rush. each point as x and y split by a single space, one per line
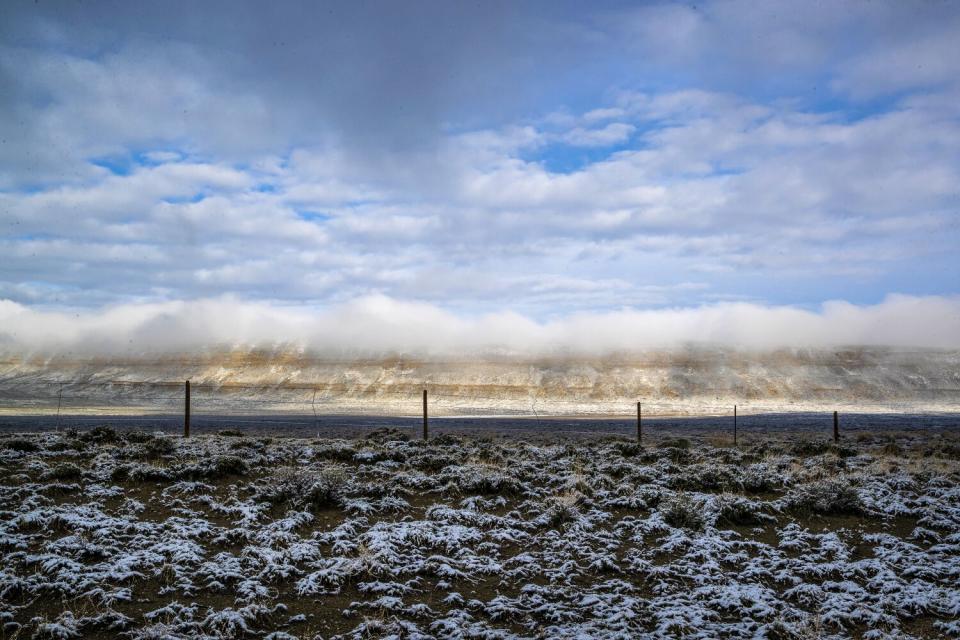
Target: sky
545 162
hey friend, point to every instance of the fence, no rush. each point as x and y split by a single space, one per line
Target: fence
332 408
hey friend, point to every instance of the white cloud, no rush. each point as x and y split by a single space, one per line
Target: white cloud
720 185
379 324
734 178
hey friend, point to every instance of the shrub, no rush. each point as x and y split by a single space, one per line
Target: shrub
63 445
64 471
628 449
807 448
137 437
20 444
340 452
563 508
216 467
761 478
230 433
223 466
301 487
446 440
891 449
706 477
826 497
674 443
100 435
326 489
734 510
158 447
486 479
432 462
683 512
138 472
388 434
677 456
950 451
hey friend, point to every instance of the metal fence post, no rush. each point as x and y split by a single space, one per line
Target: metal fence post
836 428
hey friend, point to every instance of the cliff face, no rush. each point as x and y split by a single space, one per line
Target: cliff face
690 380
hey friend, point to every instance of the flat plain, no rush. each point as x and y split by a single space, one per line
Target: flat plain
126 533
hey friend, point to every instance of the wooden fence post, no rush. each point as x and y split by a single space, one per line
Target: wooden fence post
836 428
59 402
639 424
186 410
424 414
734 425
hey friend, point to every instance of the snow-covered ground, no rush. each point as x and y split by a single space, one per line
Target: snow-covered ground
107 534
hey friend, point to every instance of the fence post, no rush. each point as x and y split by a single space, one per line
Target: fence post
186 410
836 428
639 424
734 425
424 414
59 402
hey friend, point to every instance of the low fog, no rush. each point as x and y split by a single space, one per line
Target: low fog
380 325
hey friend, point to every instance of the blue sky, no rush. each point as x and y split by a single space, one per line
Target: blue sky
543 159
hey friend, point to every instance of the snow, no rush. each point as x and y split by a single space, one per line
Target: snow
501 541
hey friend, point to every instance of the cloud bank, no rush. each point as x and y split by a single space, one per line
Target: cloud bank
379 325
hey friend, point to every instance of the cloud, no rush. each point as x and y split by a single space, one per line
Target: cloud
719 185
378 325
549 159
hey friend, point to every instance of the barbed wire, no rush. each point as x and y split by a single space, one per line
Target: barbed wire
151 399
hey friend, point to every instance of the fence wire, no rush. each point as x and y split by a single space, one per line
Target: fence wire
331 403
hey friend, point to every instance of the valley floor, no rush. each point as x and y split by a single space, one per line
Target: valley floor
126 533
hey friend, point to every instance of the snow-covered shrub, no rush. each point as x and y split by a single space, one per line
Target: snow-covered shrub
139 472
64 471
674 443
337 451
446 440
706 477
762 478
312 489
63 628
138 437
628 449
736 510
215 467
486 479
157 447
432 461
327 489
683 512
834 496
563 508
99 435
810 448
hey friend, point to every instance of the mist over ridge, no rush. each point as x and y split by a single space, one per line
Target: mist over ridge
376 354
376 326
